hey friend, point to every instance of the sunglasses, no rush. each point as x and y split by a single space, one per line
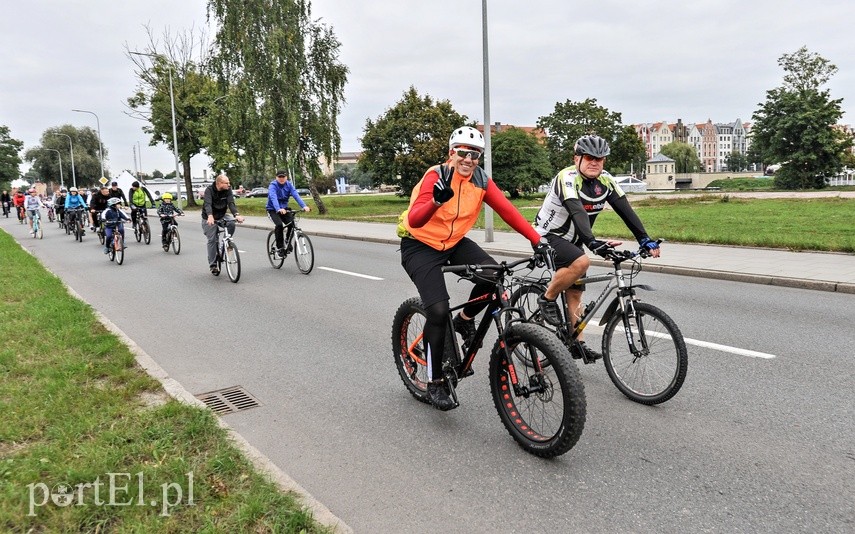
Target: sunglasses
462 153
588 157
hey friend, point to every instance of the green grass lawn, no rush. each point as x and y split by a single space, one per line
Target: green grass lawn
75 407
792 223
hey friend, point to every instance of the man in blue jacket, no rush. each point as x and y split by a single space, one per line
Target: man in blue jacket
281 189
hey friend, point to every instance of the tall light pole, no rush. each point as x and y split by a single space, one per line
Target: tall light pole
488 157
174 128
71 151
100 144
61 181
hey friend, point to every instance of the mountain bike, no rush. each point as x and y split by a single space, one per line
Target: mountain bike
173 239
21 214
643 349
117 246
99 229
227 251
142 230
78 220
541 404
37 226
51 214
299 243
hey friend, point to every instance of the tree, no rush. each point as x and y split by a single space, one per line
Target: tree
408 139
193 91
627 152
10 161
520 162
795 126
353 175
87 162
572 120
736 161
285 86
684 155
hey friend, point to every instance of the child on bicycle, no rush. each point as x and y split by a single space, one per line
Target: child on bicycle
167 211
433 232
113 218
32 204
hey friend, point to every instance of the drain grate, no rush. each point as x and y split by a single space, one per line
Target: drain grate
228 400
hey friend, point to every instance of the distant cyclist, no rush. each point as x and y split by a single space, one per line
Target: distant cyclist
138 197
218 199
444 206
6 201
113 217
32 204
278 193
98 203
59 204
576 196
18 201
166 212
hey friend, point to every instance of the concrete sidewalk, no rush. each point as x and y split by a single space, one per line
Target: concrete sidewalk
807 270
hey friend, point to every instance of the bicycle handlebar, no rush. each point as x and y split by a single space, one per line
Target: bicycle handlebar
504 267
623 255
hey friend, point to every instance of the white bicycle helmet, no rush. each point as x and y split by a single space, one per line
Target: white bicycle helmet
468 136
113 201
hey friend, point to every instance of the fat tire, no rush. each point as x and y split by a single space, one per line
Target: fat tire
523 417
407 325
668 358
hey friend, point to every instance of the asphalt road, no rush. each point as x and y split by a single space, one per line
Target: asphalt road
750 444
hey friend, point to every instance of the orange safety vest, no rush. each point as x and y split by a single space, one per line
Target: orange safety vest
453 219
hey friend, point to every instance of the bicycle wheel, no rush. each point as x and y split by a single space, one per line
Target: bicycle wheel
146 232
525 297
304 253
408 348
176 242
657 370
101 234
275 259
547 416
119 246
39 233
138 232
78 231
232 261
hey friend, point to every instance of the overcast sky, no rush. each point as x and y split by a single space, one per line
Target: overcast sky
650 60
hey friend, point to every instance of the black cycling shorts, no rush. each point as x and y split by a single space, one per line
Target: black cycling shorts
423 265
566 253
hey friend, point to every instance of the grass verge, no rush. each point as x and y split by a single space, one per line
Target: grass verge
79 417
789 223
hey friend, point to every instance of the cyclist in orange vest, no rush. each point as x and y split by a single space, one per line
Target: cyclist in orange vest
444 206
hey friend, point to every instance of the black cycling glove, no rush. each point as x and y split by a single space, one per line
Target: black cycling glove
600 248
442 191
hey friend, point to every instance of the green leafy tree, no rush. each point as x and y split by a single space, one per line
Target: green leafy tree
570 121
795 126
10 161
736 161
520 163
408 139
628 153
684 155
87 163
284 83
193 90
157 174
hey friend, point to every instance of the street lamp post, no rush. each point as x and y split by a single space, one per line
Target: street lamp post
488 156
100 144
71 151
61 181
174 128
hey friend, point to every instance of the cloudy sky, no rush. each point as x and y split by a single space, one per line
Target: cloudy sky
650 60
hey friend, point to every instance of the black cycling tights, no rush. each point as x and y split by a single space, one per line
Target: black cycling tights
436 327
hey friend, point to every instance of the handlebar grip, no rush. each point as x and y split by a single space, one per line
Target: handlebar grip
455 268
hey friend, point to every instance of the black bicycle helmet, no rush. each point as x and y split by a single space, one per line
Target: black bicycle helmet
592 145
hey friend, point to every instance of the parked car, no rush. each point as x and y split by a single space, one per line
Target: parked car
258 192
303 191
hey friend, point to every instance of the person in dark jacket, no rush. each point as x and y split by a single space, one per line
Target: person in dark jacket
97 205
116 192
218 200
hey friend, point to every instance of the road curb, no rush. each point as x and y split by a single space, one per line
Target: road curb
262 463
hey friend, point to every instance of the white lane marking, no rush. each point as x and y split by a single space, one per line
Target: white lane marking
350 273
699 343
